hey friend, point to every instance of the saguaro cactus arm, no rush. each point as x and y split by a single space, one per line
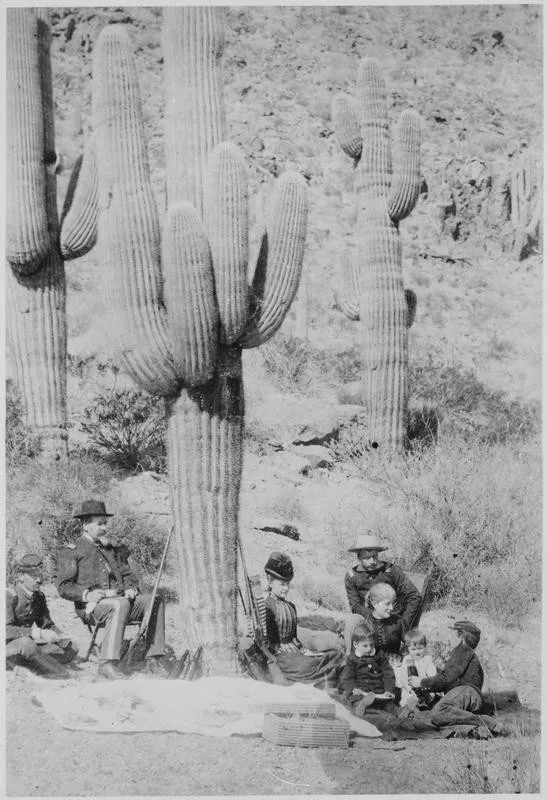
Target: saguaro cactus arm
190 295
128 218
279 265
28 239
405 191
347 126
350 295
227 224
80 209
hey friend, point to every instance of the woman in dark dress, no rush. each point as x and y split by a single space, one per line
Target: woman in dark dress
297 663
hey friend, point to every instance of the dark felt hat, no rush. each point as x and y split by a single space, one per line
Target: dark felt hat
279 566
90 508
28 561
465 625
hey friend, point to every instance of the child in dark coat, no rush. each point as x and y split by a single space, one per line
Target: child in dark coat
367 680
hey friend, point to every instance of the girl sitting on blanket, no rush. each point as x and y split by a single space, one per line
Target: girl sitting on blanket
297 663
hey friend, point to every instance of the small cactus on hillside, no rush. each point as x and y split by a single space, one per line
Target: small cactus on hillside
373 275
179 301
35 246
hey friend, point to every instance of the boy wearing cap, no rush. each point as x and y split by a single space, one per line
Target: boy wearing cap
369 570
98 578
32 639
461 678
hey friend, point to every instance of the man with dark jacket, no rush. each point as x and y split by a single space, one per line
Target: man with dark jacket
32 639
461 681
99 579
370 570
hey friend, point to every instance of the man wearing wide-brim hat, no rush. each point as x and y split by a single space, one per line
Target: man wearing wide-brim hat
371 569
32 638
98 578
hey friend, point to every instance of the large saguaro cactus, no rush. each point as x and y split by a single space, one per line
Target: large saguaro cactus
35 279
180 306
384 308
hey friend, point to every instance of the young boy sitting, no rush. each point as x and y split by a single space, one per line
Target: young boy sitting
416 663
367 679
461 678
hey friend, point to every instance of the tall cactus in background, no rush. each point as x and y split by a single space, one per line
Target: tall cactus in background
35 247
373 276
180 305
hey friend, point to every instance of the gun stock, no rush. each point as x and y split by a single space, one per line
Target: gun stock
145 622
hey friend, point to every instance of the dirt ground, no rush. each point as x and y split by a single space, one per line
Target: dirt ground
43 759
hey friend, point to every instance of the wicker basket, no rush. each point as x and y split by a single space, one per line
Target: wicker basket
301 731
325 710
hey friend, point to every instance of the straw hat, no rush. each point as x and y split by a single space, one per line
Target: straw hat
367 541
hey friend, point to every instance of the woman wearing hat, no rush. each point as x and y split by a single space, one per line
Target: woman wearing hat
297 664
370 570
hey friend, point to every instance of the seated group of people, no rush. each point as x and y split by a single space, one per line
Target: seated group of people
387 672
375 675
105 588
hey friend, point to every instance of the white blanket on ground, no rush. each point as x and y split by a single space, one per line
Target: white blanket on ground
208 706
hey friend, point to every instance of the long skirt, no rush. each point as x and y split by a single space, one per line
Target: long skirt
322 667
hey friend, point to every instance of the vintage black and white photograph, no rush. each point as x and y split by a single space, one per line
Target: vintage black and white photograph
273 464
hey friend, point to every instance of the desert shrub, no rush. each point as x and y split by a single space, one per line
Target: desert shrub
295 364
39 504
21 443
144 536
288 362
127 428
469 513
511 766
469 408
39 507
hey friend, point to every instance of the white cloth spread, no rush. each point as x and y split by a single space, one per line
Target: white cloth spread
209 706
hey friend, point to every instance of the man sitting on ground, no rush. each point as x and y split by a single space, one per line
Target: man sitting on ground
32 639
104 587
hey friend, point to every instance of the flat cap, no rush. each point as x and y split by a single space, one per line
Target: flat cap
90 508
279 566
465 625
29 561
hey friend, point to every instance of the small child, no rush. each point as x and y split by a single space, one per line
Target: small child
419 663
367 679
461 679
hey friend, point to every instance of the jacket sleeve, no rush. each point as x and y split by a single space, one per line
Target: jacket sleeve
388 675
354 600
67 576
455 666
347 681
409 598
13 630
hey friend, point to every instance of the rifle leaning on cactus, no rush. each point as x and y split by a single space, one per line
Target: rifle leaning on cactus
257 659
145 622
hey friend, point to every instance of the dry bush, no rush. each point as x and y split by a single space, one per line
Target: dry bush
39 506
470 513
127 428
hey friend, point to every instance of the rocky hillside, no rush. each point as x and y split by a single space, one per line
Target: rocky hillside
474 75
